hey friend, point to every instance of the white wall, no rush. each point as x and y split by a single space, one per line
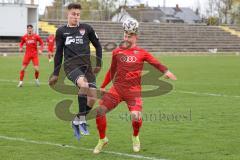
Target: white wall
33 18
14 19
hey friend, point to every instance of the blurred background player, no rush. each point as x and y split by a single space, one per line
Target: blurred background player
50 41
31 54
125 72
74 40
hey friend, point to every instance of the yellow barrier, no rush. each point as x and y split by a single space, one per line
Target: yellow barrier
232 31
46 27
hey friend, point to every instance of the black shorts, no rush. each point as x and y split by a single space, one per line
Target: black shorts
81 71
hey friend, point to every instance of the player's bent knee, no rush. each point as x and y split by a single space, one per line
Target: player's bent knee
23 68
136 115
102 110
91 101
36 68
82 82
92 97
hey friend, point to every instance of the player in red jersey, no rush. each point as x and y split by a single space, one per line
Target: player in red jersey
50 45
31 54
125 72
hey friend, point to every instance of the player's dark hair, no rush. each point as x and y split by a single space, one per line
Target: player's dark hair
29 25
74 6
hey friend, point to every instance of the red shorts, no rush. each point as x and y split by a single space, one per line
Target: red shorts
50 50
114 96
27 59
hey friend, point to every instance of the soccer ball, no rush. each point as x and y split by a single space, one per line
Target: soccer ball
131 25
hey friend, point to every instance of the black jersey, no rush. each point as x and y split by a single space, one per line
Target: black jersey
75 43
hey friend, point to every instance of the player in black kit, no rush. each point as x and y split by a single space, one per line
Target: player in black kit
73 39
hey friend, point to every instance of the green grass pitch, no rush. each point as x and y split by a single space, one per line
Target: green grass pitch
198 120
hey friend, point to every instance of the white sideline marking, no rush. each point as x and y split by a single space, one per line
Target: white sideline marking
207 94
15 81
77 148
177 91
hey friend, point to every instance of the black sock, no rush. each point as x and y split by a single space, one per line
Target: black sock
84 109
88 109
82 104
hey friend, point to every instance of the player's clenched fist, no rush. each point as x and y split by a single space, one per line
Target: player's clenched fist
53 80
170 75
102 91
96 70
40 51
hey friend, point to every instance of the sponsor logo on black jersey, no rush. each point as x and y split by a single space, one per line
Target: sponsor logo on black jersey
74 40
82 31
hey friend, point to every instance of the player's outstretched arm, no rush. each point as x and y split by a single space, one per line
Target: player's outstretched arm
58 58
21 44
39 39
110 73
153 61
95 41
107 79
59 52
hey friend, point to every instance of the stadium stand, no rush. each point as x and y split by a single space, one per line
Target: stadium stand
9 45
236 28
156 37
170 37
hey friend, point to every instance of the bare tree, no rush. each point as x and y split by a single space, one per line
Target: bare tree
226 8
198 8
108 7
211 8
235 12
220 8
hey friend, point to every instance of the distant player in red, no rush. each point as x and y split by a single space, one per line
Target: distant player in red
125 72
50 45
31 54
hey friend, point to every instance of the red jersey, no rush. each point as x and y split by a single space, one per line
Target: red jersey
31 43
126 68
50 41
